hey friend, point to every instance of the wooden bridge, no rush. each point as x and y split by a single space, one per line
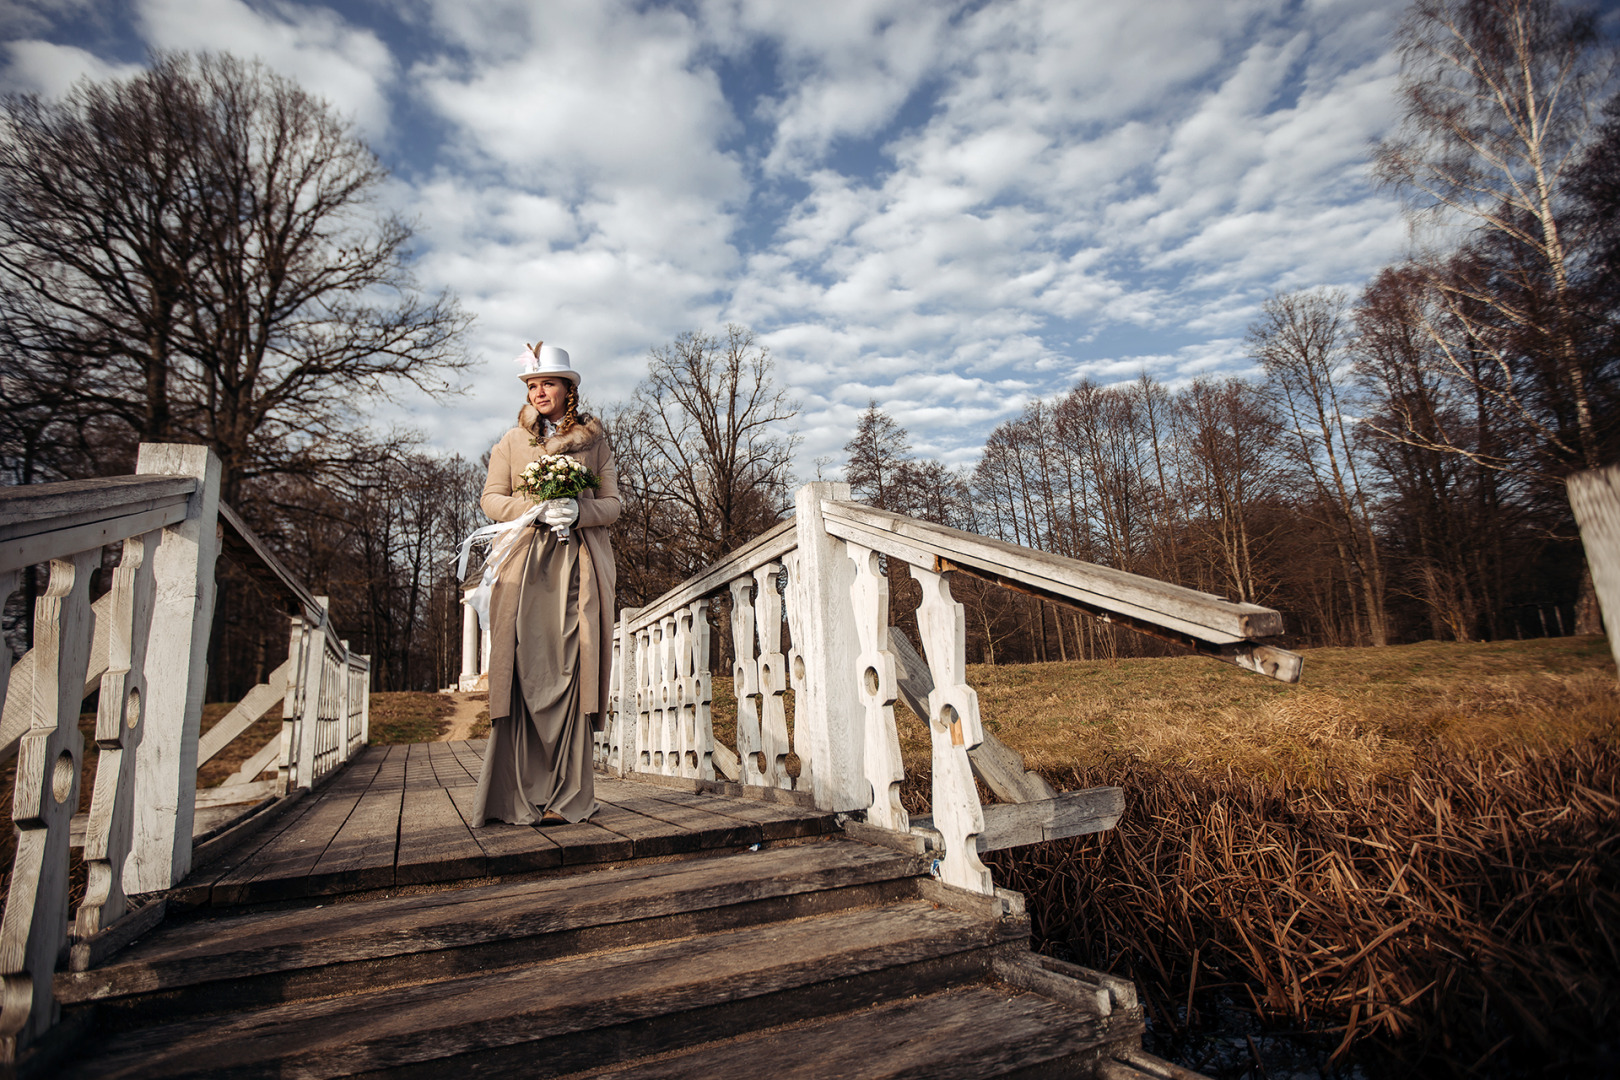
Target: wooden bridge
723 915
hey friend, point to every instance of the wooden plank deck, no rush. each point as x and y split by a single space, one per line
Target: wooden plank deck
398 815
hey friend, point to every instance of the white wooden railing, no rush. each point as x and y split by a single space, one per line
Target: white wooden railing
144 645
847 666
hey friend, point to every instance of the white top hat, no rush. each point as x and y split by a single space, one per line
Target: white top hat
542 360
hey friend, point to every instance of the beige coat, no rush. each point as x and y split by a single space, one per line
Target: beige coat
597 510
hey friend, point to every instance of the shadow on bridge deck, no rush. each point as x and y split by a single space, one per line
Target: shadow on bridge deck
397 816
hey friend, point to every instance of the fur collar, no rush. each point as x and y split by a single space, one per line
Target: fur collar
585 433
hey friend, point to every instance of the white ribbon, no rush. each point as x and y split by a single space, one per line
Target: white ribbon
504 539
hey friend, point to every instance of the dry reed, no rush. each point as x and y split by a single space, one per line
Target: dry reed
1460 919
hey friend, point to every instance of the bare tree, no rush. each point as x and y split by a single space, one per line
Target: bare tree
1500 100
1300 341
713 469
197 253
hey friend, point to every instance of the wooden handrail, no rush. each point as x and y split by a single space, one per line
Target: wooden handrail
40 522
768 547
1199 621
260 562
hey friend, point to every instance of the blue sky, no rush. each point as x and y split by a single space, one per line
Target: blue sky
948 207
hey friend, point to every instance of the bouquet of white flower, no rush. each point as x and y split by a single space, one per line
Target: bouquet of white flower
555 476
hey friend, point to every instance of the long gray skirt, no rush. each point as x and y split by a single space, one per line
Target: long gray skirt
539 757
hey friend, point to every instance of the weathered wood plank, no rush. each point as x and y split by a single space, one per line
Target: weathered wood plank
775 821
278 869
957 1035
233 945
1203 615
249 711
724 974
507 849
361 855
705 829
1073 813
435 844
30 508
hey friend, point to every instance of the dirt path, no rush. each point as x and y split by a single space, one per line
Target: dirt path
468 706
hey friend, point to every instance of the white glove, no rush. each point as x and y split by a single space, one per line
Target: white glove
560 514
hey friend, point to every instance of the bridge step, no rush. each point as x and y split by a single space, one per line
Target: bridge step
960 1034
227 962
579 1011
680 934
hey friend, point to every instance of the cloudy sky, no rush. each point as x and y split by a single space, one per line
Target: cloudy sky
949 207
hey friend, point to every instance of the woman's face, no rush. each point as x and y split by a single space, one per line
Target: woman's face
549 396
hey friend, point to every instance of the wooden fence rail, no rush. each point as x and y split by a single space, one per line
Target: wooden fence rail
821 574
143 645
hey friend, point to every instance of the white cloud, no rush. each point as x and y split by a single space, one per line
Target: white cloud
347 65
40 67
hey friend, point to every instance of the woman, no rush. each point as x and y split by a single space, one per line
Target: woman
551 611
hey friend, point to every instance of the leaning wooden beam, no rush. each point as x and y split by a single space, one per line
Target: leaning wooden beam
766 548
996 764
1073 813
267 758
249 711
1199 621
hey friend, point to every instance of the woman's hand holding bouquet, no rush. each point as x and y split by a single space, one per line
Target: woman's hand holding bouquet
556 479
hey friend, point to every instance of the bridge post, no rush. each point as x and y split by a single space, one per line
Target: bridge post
830 653
176 669
314 680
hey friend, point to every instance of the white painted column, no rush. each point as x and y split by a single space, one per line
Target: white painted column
176 671
831 654
469 642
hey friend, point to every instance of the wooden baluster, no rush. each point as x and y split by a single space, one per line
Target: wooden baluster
626 725
606 741
953 729
745 683
109 831
309 721
49 754
869 595
644 702
669 698
804 735
830 707
685 696
700 692
773 677
176 670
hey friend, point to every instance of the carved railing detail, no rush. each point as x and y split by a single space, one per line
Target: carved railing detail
953 727
109 832
144 645
844 661
878 688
